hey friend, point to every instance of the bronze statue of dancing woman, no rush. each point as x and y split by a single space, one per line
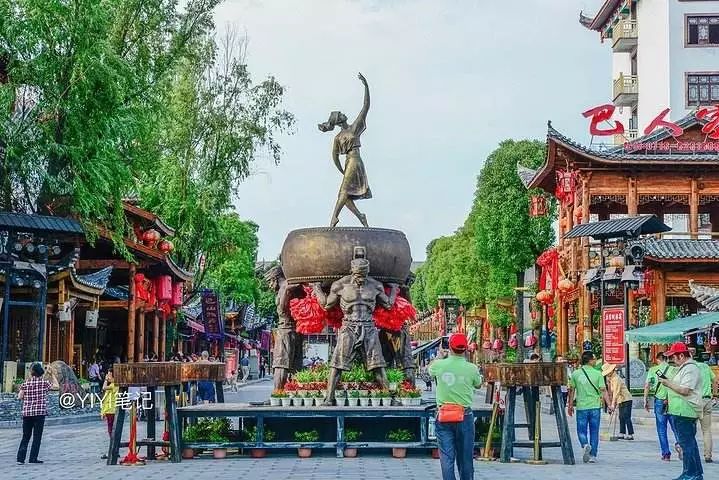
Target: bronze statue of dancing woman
347 142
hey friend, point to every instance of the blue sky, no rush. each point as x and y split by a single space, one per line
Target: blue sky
449 80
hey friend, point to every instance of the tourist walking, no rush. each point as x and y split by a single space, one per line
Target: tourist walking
245 364
710 391
456 380
586 387
685 403
108 403
93 374
620 398
654 387
33 393
205 388
263 367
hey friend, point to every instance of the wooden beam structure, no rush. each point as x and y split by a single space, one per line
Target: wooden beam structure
131 310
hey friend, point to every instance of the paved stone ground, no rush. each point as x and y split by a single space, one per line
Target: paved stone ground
73 451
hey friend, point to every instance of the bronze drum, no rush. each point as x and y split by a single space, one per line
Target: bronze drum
324 254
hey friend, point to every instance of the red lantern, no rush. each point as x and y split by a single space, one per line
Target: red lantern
163 288
565 285
513 342
513 329
530 341
486 345
177 293
538 206
533 314
150 237
498 345
566 181
550 324
166 246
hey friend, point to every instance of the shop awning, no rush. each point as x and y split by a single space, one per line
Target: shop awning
673 331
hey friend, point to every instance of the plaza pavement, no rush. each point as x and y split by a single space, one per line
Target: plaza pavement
72 452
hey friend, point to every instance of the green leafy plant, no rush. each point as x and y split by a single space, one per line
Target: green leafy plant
400 435
279 394
672 313
250 435
395 375
304 376
354 394
352 435
192 434
306 436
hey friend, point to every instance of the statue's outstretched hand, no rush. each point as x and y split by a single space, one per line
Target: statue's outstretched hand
362 78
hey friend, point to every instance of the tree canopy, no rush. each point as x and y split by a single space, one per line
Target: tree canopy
110 99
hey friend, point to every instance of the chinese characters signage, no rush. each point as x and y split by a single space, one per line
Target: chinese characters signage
211 315
613 335
601 124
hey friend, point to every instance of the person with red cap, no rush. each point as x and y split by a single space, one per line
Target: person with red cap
456 381
685 404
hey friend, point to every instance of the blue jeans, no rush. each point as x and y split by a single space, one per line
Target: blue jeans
662 419
589 420
456 445
685 429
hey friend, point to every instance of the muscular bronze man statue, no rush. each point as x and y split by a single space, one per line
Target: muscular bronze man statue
358 338
287 352
347 142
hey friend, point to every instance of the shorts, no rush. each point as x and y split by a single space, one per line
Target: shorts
287 352
206 391
357 341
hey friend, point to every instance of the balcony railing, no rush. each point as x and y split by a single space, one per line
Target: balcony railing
626 90
625 35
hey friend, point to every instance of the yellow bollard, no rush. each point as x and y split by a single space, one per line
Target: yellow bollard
537 460
488 444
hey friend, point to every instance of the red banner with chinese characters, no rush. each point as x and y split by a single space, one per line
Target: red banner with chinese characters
613 335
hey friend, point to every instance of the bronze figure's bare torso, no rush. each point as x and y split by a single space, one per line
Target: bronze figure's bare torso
358 338
347 142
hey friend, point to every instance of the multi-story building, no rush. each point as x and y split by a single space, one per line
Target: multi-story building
665 54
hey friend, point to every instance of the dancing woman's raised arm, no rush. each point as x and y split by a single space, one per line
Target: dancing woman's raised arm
359 122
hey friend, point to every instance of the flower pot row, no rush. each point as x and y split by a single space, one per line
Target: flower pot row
350 401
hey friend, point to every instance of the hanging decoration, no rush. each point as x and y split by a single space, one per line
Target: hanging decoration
497 345
151 237
141 291
548 261
394 318
513 329
565 285
513 342
308 313
538 206
530 341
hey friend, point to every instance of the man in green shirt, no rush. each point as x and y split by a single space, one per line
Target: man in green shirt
685 395
586 385
456 380
709 393
659 392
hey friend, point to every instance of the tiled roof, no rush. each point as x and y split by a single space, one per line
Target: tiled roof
680 249
525 174
617 153
620 227
707 296
97 280
38 223
120 293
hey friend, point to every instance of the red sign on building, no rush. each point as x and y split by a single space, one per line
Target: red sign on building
613 335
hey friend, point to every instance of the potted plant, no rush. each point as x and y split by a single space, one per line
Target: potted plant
319 398
394 378
304 378
383 398
353 398
276 397
219 433
351 435
340 397
291 388
191 434
400 435
251 436
363 398
304 438
409 394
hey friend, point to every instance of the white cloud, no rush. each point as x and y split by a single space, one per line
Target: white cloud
449 80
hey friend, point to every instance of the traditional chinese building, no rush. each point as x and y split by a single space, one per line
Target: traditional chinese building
663 56
675 178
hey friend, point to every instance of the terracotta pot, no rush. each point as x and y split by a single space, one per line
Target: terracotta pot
304 452
258 453
350 452
435 453
219 452
399 452
188 453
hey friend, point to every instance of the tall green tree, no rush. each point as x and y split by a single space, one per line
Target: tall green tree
508 240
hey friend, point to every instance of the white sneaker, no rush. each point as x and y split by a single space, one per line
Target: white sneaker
592 459
587 453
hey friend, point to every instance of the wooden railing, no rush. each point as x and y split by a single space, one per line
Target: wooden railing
625 29
626 85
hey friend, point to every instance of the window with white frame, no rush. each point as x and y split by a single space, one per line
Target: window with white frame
702 88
